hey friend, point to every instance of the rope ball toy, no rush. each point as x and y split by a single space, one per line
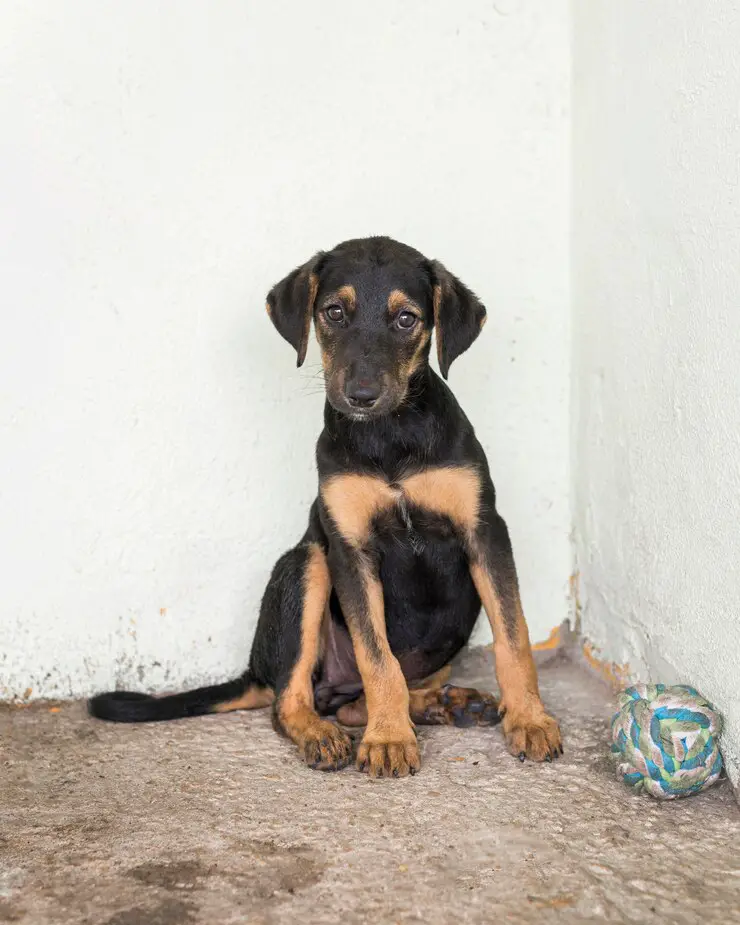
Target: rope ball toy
664 740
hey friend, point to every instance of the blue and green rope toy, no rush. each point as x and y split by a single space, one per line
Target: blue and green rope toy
665 740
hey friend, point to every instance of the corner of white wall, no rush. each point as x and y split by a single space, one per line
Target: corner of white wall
656 285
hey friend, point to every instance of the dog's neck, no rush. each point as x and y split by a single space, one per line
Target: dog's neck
421 429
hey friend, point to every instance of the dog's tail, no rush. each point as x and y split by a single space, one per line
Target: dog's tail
243 693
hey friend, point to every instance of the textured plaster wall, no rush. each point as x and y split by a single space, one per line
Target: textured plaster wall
656 277
160 167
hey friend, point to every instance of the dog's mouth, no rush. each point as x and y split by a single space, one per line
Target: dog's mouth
378 410
386 402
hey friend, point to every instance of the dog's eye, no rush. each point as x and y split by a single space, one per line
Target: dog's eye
406 320
334 313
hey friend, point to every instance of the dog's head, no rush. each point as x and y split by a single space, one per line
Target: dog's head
374 303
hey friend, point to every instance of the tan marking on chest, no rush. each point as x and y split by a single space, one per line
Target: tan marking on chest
354 500
453 491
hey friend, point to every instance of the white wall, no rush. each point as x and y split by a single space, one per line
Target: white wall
161 166
656 276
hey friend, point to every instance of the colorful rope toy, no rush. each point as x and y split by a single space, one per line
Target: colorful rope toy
665 740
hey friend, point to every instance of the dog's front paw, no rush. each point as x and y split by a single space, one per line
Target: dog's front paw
532 734
395 757
327 748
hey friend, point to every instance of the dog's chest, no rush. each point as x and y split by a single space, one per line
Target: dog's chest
409 524
411 534
422 506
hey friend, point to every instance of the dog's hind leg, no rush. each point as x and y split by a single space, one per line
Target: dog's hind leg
453 706
435 704
293 612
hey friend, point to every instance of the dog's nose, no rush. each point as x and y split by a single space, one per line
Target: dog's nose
362 393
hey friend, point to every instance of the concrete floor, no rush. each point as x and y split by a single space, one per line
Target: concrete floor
215 820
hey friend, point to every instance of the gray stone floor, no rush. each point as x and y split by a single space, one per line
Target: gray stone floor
215 820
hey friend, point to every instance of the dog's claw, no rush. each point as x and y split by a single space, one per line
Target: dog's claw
328 750
533 735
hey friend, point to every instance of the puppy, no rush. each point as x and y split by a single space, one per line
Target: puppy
403 544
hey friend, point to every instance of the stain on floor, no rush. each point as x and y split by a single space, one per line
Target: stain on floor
215 820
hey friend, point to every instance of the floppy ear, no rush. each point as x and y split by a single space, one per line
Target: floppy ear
290 305
458 316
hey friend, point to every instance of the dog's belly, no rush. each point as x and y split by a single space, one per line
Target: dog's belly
431 606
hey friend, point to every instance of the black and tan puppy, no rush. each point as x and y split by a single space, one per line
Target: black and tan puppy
403 543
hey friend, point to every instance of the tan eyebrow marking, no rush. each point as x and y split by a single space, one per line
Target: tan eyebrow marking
399 300
345 296
348 295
